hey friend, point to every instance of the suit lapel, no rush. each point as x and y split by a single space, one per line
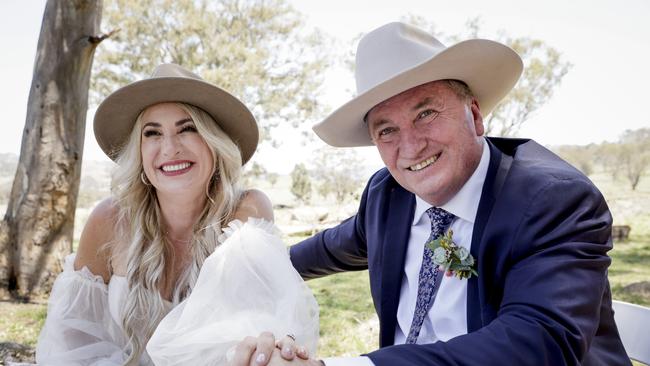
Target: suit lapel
494 180
396 235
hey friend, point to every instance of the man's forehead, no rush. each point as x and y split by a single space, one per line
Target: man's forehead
431 93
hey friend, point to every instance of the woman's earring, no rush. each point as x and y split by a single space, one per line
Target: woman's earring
144 179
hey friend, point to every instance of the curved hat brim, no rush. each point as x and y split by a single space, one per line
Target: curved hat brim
116 115
489 68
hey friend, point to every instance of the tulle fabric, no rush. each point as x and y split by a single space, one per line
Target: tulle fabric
246 286
79 329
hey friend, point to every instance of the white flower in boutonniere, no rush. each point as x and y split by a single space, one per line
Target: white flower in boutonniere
451 258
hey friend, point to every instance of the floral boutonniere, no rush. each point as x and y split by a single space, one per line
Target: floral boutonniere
452 259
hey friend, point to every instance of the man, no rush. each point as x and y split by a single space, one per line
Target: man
537 229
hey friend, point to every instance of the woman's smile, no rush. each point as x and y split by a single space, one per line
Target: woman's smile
176 167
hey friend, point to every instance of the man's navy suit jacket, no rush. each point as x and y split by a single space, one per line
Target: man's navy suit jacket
540 238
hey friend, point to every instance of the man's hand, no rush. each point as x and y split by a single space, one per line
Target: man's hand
258 351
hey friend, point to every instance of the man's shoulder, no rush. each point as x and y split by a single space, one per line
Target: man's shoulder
535 161
382 187
535 168
382 181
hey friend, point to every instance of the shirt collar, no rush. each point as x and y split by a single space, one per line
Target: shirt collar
464 204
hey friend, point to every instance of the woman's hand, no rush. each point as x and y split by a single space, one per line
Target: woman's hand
254 351
289 350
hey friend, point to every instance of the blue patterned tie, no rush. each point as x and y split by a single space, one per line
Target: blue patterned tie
429 278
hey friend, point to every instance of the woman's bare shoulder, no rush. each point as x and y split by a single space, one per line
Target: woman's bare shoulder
100 230
254 203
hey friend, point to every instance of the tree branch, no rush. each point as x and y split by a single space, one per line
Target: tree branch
97 39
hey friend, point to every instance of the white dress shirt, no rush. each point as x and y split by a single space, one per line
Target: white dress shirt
447 318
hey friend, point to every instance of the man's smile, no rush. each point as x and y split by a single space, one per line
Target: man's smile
424 164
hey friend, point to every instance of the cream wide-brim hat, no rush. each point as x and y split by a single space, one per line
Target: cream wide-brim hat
397 57
116 115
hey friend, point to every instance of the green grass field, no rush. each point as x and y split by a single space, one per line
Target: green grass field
349 326
21 323
631 265
630 259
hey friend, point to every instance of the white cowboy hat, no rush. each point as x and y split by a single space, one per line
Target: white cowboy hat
397 57
116 115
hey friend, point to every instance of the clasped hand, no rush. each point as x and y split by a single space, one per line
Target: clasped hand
265 350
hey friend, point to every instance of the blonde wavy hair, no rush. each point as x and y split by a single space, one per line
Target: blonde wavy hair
150 255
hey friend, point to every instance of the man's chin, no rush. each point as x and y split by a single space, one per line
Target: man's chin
427 192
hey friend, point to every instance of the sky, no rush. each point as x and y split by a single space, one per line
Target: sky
604 93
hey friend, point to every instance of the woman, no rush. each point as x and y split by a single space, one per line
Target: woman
179 144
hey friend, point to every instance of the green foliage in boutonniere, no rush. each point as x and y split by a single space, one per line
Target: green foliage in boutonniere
452 259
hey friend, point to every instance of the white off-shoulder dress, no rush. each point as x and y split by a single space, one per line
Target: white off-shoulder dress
246 286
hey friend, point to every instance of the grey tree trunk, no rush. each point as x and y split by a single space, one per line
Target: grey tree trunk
36 232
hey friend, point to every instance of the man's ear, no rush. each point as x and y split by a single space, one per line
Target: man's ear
477 116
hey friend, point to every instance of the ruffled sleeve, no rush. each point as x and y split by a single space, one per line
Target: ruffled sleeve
251 223
79 329
245 287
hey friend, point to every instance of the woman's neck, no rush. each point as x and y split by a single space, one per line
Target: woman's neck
180 214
